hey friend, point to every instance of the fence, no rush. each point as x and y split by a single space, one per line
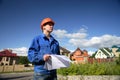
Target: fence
14 68
92 60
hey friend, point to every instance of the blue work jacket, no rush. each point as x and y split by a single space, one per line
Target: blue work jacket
40 46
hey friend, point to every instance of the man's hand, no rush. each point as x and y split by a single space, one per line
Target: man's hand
46 57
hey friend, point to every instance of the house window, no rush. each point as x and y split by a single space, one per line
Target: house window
73 59
7 58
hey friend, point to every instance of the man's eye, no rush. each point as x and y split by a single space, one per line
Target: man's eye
50 24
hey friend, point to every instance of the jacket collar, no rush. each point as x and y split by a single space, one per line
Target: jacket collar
51 37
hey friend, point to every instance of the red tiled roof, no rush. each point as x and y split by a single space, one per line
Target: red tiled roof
7 53
79 52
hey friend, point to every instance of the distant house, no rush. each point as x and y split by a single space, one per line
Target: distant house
7 57
64 51
79 56
104 53
116 50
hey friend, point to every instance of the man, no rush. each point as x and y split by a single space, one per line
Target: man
40 50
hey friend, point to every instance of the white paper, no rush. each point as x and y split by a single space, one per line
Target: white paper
56 62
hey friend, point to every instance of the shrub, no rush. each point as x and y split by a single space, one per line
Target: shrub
118 60
91 69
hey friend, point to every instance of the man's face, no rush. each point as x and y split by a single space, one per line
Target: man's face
48 27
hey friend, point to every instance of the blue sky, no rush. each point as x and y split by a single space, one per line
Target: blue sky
88 24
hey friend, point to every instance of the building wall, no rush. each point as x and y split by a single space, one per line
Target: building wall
8 60
100 54
79 56
115 53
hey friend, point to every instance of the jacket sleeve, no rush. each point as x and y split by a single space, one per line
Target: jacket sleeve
58 49
33 53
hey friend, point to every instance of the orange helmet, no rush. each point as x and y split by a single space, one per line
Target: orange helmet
46 20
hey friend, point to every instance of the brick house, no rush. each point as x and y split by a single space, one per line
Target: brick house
79 56
7 57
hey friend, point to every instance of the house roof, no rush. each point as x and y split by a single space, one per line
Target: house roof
114 46
106 51
81 53
85 53
7 53
118 48
64 50
77 50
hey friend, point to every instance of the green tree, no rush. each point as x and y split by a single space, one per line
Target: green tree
23 60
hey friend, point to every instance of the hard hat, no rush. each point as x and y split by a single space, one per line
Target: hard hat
46 20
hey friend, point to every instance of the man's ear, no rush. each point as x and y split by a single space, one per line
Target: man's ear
43 27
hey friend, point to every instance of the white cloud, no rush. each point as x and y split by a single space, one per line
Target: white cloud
79 42
91 52
60 33
76 35
63 33
83 30
79 39
20 51
104 41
